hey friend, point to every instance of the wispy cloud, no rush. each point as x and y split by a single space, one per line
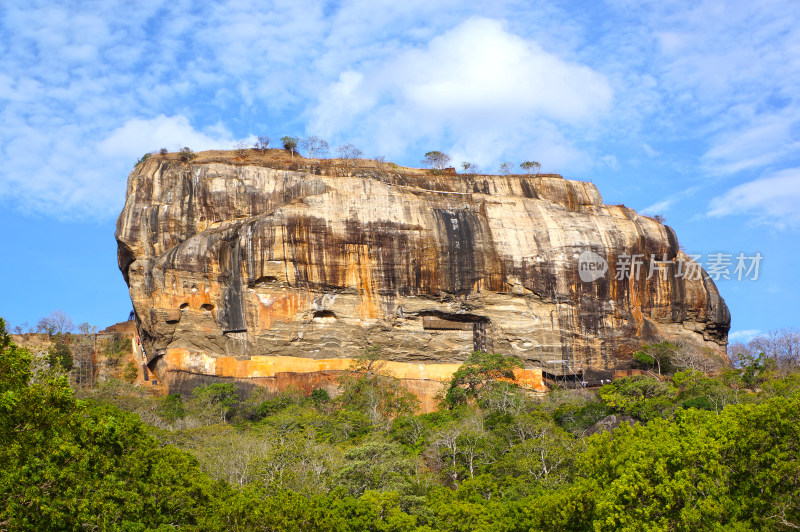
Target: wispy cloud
772 199
659 207
743 336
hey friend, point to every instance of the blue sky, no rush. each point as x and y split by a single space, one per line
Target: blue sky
688 110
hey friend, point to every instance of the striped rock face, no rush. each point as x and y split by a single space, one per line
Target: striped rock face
276 271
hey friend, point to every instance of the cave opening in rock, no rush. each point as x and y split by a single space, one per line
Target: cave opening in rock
442 321
265 280
324 314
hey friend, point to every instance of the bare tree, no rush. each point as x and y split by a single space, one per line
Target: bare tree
349 154
85 328
689 356
56 323
446 445
782 346
262 144
473 442
739 353
241 149
505 168
469 168
315 146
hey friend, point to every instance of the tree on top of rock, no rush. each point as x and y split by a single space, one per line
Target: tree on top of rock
436 160
290 143
349 154
531 167
315 146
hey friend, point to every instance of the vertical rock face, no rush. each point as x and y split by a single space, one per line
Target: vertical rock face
276 271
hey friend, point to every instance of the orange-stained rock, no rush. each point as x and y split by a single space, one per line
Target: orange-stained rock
277 271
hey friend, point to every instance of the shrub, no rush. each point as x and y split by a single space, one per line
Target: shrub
241 149
186 155
131 372
143 158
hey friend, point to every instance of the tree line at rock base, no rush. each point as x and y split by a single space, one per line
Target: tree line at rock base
693 452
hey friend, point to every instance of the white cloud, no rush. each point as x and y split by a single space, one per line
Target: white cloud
485 83
773 199
743 336
649 150
138 136
65 173
473 84
658 208
761 141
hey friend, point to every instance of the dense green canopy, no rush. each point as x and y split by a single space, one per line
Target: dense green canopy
702 453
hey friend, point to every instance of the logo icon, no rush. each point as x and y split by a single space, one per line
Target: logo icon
591 266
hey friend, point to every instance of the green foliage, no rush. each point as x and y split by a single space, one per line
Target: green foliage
701 403
736 470
131 371
576 411
381 398
270 407
644 360
658 356
59 355
69 465
171 407
218 400
320 397
116 347
477 375
756 369
727 460
642 397
531 167
436 161
143 158
375 465
290 143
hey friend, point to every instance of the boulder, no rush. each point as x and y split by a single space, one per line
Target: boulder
276 270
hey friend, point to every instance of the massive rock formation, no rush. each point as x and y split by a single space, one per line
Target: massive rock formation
277 270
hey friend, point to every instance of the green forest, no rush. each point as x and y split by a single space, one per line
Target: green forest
688 451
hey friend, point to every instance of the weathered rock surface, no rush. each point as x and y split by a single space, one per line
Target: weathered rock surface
273 270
